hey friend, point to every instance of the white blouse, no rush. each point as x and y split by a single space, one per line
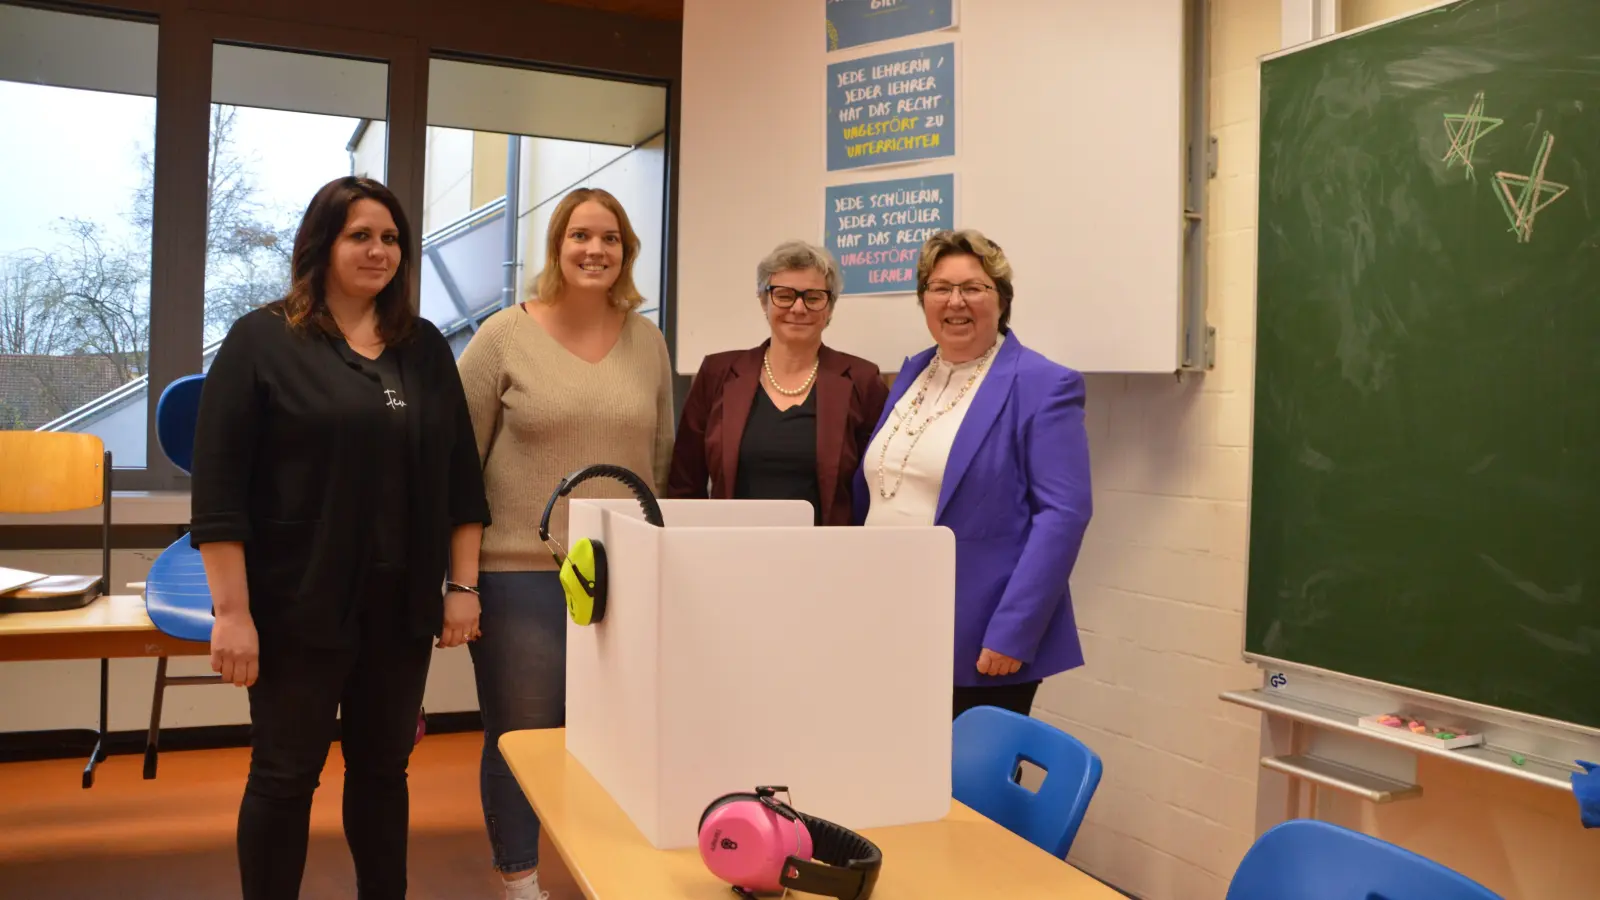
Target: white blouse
904 467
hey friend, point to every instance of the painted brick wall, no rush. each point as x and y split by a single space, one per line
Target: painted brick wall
1160 585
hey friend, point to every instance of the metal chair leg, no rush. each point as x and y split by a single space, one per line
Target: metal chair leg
152 740
98 754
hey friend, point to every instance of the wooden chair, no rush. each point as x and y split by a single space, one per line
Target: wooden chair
44 472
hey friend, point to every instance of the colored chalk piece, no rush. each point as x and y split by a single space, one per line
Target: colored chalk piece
1449 736
1519 759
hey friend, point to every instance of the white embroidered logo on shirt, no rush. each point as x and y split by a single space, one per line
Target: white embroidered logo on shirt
394 402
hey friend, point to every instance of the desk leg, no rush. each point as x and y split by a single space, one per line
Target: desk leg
98 755
152 740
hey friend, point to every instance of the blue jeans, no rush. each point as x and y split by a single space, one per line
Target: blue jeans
520 663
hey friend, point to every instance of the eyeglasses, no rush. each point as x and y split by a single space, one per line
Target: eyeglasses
816 299
942 291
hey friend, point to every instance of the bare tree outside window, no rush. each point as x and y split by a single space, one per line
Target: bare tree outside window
78 313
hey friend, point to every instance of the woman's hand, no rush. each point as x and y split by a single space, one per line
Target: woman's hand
992 663
235 648
461 610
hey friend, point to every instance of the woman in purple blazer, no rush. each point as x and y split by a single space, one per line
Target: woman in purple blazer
984 436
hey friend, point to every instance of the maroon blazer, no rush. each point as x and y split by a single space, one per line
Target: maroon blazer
705 457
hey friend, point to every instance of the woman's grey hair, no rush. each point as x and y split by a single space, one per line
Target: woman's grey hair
798 255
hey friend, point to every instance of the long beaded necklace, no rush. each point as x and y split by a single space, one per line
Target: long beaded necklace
911 412
766 363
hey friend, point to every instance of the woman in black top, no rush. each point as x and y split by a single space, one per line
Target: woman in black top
336 487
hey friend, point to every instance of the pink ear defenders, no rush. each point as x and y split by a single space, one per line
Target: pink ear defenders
758 843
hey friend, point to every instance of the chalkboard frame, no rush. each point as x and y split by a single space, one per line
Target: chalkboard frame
1552 739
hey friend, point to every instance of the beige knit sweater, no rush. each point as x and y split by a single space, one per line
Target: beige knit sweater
541 413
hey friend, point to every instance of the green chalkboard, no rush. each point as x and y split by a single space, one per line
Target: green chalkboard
1425 503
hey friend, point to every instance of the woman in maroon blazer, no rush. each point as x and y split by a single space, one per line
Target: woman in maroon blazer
790 418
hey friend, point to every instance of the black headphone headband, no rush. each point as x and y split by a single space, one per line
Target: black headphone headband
851 862
641 492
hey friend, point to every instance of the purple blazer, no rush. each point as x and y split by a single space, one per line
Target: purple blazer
1016 495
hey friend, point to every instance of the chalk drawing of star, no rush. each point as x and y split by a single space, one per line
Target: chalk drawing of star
1523 196
1465 130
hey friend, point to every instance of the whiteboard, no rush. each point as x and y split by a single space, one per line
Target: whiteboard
1069 134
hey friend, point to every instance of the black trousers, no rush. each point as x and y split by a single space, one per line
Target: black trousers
368 697
1016 697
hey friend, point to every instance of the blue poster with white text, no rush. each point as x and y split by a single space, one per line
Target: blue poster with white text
852 23
892 108
876 229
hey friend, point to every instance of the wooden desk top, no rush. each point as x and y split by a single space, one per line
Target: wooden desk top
961 856
117 612
115 626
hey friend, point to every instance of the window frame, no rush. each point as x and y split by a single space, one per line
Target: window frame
669 184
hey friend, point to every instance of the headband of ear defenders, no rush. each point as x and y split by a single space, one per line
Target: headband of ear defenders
847 864
641 492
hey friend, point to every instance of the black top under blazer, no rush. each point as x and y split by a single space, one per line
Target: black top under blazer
288 432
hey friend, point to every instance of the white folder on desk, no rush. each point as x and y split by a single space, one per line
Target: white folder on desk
11 579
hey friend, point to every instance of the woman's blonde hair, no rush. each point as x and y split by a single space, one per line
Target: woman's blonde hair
968 242
548 283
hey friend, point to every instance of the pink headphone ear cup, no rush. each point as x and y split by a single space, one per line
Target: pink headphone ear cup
745 843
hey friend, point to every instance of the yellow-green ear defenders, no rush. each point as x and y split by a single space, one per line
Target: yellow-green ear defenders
583 570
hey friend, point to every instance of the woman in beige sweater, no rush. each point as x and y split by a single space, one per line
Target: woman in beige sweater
571 378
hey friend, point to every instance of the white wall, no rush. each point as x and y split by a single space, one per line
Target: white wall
123 432
370 158
1068 152
1160 583
447 183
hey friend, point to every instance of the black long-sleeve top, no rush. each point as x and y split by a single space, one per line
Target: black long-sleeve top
298 454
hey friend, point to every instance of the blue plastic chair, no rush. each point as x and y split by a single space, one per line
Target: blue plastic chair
988 745
1304 859
176 594
177 412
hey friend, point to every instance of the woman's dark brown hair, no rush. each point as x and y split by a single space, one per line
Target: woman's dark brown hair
306 301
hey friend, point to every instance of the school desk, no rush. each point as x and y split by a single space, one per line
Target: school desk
111 627
963 855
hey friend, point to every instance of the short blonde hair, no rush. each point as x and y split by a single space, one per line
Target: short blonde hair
968 242
548 283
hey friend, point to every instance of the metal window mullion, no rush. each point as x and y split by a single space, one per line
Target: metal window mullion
178 245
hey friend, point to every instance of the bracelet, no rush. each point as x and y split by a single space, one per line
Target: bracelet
451 587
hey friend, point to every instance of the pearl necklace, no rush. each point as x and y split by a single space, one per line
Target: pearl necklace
914 408
766 363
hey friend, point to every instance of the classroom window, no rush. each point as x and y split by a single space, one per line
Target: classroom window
498 131
283 124
77 96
